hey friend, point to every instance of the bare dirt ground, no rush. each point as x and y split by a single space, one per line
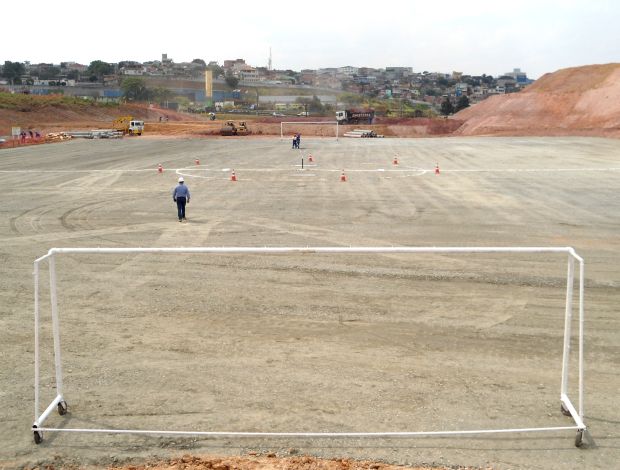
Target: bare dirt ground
311 342
574 101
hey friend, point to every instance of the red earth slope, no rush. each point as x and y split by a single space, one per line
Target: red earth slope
574 101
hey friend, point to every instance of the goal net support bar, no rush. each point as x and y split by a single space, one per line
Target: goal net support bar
60 404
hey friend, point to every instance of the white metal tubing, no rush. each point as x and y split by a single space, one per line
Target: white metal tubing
581 326
571 409
578 418
48 410
567 324
327 249
36 340
312 434
55 324
38 260
575 255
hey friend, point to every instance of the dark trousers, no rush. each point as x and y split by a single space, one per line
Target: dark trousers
181 206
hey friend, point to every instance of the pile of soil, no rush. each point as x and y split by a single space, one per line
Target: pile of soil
574 101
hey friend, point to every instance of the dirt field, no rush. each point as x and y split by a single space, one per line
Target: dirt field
310 342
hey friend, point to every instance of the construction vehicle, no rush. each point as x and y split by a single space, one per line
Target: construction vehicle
128 125
242 129
229 128
355 116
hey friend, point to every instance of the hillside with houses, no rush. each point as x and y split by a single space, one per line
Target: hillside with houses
238 85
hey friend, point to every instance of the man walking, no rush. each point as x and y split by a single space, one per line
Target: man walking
180 195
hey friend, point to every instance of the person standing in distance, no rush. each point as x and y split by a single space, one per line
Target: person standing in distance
180 195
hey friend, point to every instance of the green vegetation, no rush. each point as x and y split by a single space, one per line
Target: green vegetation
231 81
462 103
135 89
13 71
446 107
25 103
97 69
387 107
311 105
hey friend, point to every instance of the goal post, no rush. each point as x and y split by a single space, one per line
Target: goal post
303 123
60 403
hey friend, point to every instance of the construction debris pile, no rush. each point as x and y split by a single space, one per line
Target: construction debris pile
362 133
57 136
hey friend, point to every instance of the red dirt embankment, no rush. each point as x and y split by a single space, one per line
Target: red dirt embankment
574 101
57 118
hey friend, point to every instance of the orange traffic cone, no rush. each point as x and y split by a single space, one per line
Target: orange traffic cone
437 169
160 169
310 159
233 177
343 177
197 161
395 162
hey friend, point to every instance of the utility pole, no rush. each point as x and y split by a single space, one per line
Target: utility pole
256 90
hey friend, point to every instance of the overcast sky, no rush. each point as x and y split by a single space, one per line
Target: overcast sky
470 36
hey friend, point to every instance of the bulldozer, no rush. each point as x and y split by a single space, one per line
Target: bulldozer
229 128
128 125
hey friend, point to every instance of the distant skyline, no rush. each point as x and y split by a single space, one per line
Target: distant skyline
473 37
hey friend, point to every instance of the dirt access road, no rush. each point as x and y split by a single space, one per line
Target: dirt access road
310 342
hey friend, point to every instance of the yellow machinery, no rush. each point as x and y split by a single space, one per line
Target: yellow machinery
229 128
128 125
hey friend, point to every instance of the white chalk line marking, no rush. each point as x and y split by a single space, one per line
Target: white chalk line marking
349 170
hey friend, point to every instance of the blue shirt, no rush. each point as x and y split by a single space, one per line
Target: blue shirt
180 191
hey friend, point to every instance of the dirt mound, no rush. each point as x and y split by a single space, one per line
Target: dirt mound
47 115
268 462
574 101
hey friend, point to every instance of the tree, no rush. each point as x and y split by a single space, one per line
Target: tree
97 69
232 81
13 71
134 89
216 69
161 94
73 75
446 107
201 62
49 72
462 103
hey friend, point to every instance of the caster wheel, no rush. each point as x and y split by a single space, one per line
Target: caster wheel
38 437
62 408
564 410
579 439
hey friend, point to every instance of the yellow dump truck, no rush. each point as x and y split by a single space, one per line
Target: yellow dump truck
128 125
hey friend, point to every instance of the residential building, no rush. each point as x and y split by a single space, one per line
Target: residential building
519 77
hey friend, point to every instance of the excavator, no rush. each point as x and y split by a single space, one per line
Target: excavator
229 128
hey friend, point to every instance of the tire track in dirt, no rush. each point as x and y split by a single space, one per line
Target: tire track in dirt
64 218
34 221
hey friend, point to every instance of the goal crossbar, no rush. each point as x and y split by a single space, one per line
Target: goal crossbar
59 402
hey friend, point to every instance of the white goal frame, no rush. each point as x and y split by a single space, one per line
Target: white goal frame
307 122
59 402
